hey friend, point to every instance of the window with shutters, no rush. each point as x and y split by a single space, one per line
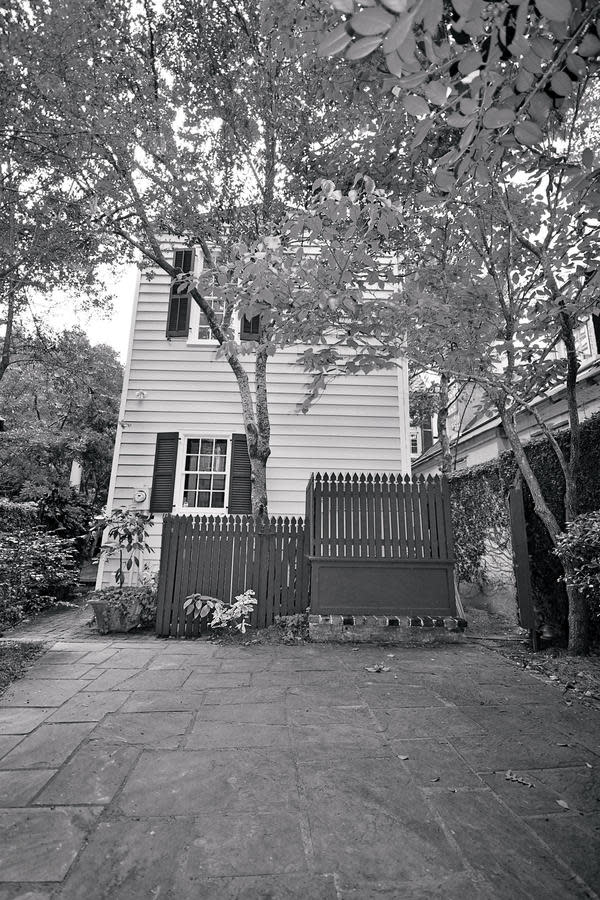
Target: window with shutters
178 317
250 328
205 470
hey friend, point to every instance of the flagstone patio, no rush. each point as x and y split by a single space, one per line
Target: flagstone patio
143 768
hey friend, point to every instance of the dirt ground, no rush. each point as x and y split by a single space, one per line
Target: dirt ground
577 677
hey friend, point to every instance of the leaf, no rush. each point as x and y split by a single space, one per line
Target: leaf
561 84
576 65
363 47
498 117
540 107
557 10
470 62
590 46
436 92
394 64
398 33
587 158
403 757
396 6
372 21
415 106
544 47
563 803
334 42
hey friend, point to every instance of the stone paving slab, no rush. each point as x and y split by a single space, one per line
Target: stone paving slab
22 720
192 769
41 844
42 692
88 706
93 775
19 787
47 747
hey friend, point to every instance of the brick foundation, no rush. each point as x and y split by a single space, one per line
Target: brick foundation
386 629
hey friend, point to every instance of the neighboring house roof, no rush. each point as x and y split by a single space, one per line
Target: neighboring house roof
487 433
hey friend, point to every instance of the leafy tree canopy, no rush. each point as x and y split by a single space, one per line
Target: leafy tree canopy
476 82
61 405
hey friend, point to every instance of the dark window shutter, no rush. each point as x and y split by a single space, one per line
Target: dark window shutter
178 318
163 477
250 328
596 324
240 483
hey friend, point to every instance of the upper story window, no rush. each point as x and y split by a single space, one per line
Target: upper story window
202 330
178 317
250 328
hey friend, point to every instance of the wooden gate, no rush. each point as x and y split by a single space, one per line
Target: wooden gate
380 545
222 556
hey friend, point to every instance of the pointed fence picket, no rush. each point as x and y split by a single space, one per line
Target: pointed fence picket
222 556
379 517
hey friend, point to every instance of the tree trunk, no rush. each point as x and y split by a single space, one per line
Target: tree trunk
258 468
442 422
579 614
579 618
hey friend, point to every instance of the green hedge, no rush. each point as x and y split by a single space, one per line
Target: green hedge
477 497
18 516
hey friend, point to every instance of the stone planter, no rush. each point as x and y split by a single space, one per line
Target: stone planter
110 618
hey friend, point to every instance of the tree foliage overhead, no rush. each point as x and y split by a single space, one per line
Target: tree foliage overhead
493 76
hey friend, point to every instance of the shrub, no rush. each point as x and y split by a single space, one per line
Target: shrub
67 513
219 614
580 546
36 570
127 532
130 602
479 514
17 516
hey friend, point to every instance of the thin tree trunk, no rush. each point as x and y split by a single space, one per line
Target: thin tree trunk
442 422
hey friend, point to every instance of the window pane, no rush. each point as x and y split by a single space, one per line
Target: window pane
204 498
191 463
218 499
189 498
191 483
206 446
205 464
204 482
218 483
193 445
220 448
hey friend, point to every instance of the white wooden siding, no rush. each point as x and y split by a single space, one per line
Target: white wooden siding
360 423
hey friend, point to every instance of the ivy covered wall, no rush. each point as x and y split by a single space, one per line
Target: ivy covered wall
480 514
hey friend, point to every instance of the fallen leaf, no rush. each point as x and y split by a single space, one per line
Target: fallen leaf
437 778
402 757
378 667
563 803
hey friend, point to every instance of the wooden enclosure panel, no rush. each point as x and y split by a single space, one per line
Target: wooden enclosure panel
375 587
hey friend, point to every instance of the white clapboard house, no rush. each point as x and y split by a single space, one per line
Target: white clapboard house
180 445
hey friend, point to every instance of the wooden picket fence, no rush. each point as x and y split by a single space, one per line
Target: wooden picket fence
379 517
222 556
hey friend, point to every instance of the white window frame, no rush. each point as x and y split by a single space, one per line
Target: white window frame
178 506
415 432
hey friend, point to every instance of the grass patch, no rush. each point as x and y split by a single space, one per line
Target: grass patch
15 658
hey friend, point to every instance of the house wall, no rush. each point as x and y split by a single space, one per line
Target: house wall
360 423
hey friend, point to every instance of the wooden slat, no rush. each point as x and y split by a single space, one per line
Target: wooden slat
192 626
176 628
424 519
433 501
408 512
377 515
168 557
447 520
393 492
